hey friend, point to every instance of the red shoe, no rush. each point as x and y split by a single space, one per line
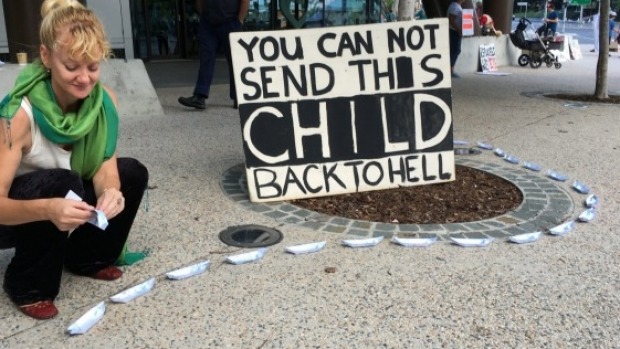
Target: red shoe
109 273
41 310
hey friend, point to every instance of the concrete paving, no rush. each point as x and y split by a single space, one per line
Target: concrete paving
560 292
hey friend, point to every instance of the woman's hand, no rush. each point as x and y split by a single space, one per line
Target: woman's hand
111 202
69 214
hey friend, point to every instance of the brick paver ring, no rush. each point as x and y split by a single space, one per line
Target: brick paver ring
545 205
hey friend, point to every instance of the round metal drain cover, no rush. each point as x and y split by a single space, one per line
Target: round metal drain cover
466 151
250 235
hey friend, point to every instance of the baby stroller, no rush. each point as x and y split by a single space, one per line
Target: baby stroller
539 49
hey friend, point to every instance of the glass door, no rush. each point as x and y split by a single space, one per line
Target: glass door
189 27
259 15
156 29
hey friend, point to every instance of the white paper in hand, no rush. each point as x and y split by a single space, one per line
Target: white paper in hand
97 218
88 320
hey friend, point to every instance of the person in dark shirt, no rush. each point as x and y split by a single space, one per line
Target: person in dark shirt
550 26
218 18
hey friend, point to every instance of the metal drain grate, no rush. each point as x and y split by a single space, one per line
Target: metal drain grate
250 235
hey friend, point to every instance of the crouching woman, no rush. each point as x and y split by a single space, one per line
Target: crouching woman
58 132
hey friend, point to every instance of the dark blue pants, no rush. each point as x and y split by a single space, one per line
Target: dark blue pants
455 46
41 250
212 37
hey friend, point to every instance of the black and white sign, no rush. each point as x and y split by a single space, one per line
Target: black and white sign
487 57
344 109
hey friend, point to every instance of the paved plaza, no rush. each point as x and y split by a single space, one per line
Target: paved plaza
559 292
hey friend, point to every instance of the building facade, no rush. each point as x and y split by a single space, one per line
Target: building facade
168 29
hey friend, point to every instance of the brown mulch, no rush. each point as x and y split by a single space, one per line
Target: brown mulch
613 99
473 195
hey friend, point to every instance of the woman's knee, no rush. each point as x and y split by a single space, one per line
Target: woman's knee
133 173
46 184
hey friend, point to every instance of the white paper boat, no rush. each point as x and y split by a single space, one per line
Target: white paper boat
248 257
459 142
414 242
306 248
525 238
587 215
592 201
499 152
484 145
363 242
88 320
472 242
580 187
556 175
511 159
134 292
532 166
189 271
562 229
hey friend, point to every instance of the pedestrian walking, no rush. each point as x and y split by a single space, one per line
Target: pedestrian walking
218 18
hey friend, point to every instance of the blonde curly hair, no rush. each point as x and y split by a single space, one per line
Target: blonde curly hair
88 39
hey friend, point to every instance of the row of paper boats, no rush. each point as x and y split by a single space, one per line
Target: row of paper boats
91 317
553 174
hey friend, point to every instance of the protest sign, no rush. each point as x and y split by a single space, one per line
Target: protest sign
487 58
344 109
468 22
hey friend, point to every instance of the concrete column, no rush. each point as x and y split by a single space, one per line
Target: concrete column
501 12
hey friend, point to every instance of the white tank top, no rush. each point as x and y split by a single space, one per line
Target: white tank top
43 154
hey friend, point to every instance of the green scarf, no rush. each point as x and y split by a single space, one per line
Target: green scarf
92 131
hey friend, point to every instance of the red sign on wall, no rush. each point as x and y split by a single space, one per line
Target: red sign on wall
468 22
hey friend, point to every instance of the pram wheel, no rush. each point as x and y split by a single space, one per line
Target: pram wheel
523 60
558 65
535 62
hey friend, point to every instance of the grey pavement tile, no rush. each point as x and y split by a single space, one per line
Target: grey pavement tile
497 234
409 227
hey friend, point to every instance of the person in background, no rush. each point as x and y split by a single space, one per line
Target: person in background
479 11
58 133
218 18
550 24
419 11
595 24
455 20
488 26
612 25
